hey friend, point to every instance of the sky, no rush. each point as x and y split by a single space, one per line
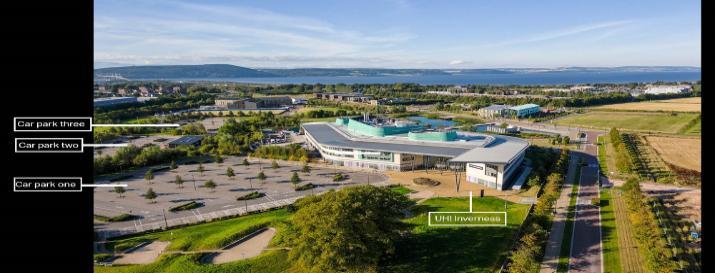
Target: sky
399 33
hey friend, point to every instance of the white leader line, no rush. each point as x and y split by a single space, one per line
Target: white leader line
103 185
137 125
106 145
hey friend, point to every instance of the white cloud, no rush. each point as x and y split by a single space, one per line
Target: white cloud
456 62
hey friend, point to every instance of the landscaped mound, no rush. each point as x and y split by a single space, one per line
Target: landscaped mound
423 181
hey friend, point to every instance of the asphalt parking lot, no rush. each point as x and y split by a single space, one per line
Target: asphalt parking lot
276 186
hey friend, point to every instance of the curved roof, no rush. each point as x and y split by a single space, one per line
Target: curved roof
484 148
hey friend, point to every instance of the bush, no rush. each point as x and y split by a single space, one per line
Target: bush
423 181
118 218
305 187
338 177
252 195
186 206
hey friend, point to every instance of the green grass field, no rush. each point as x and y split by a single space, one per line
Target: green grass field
442 249
456 249
211 235
636 121
269 261
609 233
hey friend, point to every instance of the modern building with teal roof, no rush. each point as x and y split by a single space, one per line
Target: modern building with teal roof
399 145
525 110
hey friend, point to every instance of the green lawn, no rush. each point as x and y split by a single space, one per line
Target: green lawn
638 121
401 190
456 249
602 163
269 261
611 256
211 235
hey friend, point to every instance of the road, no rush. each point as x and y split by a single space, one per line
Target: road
586 250
586 246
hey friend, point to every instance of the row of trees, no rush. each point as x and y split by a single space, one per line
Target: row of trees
123 112
133 156
624 162
293 152
529 250
648 235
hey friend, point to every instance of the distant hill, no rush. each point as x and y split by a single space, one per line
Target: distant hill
183 71
215 71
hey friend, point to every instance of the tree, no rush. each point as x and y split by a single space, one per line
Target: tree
200 169
150 195
306 168
245 162
364 226
261 176
338 177
219 158
120 191
274 165
149 175
565 140
295 179
173 165
210 184
229 172
179 181
533 181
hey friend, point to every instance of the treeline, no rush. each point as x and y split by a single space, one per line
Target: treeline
323 113
133 156
526 258
122 112
624 163
648 235
293 152
235 136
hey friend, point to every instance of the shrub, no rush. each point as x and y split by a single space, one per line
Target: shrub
338 177
423 181
187 206
252 195
305 187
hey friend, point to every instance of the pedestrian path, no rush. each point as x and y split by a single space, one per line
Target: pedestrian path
550 262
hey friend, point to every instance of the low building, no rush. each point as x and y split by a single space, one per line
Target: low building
102 102
489 160
271 102
667 89
231 103
350 97
525 110
184 140
493 111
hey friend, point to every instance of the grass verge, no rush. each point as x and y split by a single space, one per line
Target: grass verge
609 233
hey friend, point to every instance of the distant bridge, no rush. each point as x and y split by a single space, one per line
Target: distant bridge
109 77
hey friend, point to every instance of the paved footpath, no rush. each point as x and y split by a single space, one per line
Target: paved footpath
550 262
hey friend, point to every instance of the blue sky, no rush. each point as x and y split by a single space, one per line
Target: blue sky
399 33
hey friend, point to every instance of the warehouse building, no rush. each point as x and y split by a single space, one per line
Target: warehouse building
383 144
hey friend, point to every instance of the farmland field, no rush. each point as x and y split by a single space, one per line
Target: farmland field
682 152
636 121
671 105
